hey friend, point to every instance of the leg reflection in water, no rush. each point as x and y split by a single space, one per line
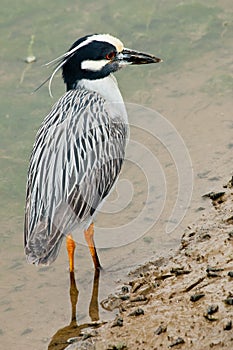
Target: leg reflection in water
60 339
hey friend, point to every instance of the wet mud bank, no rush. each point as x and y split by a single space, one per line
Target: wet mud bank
184 301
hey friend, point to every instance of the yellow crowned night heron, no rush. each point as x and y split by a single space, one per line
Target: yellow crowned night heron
79 148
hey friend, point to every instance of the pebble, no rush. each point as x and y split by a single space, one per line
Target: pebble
138 298
118 322
196 297
179 271
161 329
125 289
30 59
229 301
212 309
137 312
178 341
227 325
212 274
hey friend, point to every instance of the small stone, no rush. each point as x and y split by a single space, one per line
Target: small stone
120 346
137 312
230 274
138 298
229 301
212 309
212 274
118 322
30 59
196 297
227 326
213 269
161 329
179 271
178 341
210 317
125 289
213 195
205 237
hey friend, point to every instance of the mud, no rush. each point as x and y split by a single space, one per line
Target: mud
183 301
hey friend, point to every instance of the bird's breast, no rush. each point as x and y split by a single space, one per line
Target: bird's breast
108 89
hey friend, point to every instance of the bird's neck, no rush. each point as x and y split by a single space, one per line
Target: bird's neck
108 89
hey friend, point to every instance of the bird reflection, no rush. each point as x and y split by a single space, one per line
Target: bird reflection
60 339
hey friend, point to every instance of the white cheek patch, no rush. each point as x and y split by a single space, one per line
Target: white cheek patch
93 65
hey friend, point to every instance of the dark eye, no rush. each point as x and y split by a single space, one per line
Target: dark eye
110 55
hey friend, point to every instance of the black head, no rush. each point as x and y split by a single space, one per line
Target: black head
95 57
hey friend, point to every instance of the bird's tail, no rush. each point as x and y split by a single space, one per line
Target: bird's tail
42 251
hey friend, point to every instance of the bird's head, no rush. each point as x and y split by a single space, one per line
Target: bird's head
95 57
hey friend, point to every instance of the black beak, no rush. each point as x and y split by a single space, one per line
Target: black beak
128 56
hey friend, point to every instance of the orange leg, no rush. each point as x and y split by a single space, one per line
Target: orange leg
89 233
70 246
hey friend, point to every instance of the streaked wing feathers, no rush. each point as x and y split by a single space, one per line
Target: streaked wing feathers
75 161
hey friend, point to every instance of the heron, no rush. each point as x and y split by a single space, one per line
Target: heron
79 148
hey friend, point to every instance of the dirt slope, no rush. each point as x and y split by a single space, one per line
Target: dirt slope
181 302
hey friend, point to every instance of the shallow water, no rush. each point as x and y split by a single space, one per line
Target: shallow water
191 89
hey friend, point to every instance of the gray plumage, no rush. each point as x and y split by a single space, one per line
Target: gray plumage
76 159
